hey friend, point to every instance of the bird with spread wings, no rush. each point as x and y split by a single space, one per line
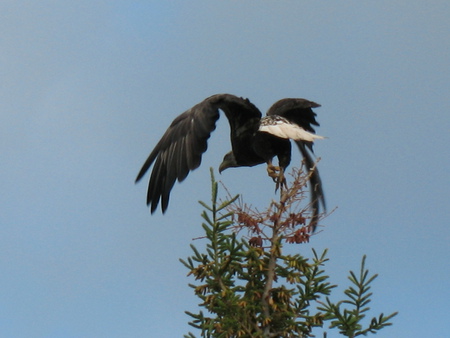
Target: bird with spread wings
254 140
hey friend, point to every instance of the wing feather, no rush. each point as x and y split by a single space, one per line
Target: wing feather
316 189
297 111
181 147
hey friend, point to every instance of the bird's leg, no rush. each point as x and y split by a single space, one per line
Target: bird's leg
272 170
277 174
281 181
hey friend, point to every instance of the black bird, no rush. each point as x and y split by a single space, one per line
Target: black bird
254 140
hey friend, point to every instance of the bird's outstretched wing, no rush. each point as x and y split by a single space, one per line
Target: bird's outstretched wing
180 149
299 112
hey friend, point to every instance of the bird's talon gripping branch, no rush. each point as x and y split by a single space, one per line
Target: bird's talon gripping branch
280 181
273 172
277 174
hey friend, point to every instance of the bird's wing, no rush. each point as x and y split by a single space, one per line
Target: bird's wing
299 112
316 189
182 145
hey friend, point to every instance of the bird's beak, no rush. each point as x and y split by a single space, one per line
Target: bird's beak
228 162
222 167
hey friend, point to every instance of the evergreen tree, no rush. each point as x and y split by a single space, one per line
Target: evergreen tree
249 288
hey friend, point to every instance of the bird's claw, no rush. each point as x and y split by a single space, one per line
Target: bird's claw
280 181
277 175
272 171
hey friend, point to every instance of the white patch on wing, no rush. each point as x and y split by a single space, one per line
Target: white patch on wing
288 130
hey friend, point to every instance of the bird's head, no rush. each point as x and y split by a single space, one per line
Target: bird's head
229 161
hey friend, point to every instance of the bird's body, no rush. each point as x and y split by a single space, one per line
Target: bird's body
254 140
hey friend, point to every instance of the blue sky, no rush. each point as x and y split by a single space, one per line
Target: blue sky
88 88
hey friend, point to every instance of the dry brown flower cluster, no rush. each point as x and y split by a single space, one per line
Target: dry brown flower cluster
289 217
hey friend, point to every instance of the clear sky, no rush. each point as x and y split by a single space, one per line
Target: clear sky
88 88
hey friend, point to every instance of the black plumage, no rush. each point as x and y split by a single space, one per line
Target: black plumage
254 140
